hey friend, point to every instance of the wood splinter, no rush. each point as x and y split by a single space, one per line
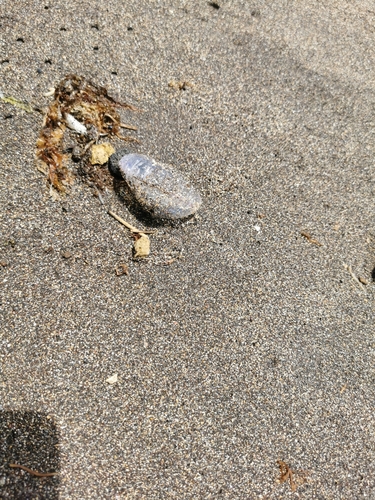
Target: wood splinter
34 472
129 226
310 239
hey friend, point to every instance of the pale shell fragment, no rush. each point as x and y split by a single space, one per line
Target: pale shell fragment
113 379
75 125
142 246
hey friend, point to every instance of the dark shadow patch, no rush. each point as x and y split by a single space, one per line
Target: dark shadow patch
30 439
255 13
4 61
373 274
95 27
48 61
62 28
20 39
96 47
130 28
214 5
113 72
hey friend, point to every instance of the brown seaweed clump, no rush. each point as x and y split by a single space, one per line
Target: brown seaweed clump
86 108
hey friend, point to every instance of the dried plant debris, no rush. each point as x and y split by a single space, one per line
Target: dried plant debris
25 106
310 239
33 472
285 474
296 478
358 281
180 85
122 269
89 112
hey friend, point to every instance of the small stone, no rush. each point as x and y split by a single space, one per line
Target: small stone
100 153
158 188
67 254
142 246
113 379
363 280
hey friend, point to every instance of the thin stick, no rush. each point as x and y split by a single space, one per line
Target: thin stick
40 169
120 220
350 271
129 226
34 472
124 223
310 239
129 127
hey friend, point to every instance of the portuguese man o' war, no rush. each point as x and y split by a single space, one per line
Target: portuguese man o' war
157 187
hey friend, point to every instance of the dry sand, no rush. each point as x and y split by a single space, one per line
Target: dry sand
257 344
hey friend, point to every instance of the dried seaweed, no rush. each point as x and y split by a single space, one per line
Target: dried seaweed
88 104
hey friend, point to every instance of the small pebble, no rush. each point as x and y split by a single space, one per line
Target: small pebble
363 280
158 188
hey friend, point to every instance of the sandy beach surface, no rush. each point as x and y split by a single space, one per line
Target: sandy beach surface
247 336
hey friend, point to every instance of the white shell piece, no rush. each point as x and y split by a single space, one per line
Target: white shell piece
75 124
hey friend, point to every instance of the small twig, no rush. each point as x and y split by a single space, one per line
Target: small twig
126 224
42 170
34 472
120 219
88 145
310 239
350 271
128 139
129 127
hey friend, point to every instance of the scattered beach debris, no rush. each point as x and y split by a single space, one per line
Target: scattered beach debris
159 189
126 224
66 254
310 239
286 473
141 245
113 379
17 103
3 263
122 269
363 280
183 85
173 259
142 241
357 280
34 472
88 110
74 124
100 153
